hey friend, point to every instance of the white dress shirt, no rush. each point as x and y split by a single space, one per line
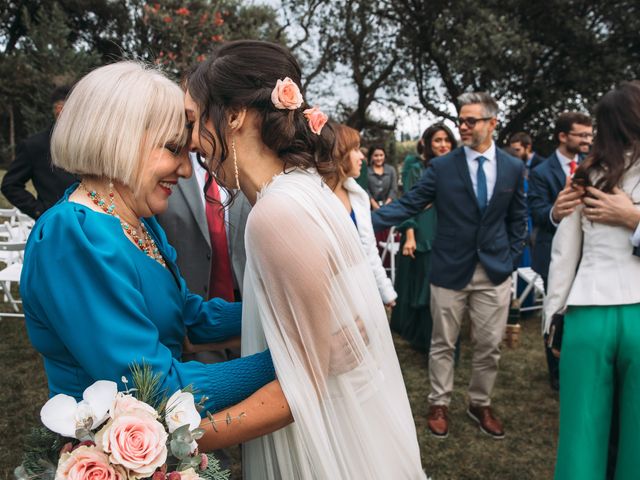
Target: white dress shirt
565 162
490 168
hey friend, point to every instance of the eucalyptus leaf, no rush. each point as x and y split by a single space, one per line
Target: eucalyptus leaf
212 421
182 434
180 450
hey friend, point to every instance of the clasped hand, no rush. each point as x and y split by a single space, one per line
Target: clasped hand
567 201
614 208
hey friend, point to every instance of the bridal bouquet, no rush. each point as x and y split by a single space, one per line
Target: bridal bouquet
112 435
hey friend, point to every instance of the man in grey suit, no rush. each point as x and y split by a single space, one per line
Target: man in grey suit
185 224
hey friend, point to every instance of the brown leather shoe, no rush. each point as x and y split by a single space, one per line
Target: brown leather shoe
438 421
485 419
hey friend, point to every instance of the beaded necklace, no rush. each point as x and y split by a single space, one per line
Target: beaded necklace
144 242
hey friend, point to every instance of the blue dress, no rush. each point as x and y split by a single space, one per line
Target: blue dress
94 304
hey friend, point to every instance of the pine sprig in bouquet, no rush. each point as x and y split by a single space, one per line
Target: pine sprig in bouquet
111 435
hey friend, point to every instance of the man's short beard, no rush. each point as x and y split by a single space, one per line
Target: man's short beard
573 150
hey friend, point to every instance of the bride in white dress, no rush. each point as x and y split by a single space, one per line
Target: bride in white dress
310 295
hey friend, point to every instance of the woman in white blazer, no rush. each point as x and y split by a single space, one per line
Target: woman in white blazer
594 275
348 159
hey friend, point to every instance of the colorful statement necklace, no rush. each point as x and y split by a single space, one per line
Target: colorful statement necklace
144 242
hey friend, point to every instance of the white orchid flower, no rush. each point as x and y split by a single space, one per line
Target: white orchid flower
63 415
181 410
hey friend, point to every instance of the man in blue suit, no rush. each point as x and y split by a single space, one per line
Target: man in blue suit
479 199
522 143
551 197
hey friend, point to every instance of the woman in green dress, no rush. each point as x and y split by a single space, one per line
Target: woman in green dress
411 317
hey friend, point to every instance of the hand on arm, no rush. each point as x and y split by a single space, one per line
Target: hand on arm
614 208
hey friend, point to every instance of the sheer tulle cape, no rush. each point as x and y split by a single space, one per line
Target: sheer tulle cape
311 297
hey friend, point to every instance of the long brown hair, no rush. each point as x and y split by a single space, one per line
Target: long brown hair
618 132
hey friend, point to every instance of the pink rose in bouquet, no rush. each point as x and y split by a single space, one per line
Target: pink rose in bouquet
87 463
135 440
125 403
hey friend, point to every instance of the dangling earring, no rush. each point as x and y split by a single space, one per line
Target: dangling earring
235 162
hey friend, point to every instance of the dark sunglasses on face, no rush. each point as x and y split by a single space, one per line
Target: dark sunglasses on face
471 121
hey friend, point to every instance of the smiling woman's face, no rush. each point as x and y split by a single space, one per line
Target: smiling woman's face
159 175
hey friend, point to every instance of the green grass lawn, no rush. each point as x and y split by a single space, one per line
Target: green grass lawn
522 399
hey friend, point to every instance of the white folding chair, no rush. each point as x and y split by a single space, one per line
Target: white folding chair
10 214
390 247
533 282
10 275
11 235
22 226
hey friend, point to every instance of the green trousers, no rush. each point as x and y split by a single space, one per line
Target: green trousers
600 352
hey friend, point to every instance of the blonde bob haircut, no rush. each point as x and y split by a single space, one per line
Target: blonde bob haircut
113 119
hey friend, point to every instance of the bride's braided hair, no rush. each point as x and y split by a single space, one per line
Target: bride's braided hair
243 74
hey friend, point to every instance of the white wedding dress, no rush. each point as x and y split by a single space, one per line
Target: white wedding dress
311 297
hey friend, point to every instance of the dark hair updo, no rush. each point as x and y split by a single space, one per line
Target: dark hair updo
242 74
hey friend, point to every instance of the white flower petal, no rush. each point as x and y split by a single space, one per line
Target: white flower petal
100 396
181 410
59 415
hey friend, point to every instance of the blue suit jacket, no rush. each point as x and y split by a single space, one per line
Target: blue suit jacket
464 237
545 183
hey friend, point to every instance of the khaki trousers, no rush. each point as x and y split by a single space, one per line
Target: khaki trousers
488 307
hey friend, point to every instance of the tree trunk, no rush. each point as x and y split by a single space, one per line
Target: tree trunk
12 134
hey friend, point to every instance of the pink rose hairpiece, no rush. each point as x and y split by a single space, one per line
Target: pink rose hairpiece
316 118
286 95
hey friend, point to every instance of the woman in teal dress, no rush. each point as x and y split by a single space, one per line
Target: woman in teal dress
100 284
411 317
